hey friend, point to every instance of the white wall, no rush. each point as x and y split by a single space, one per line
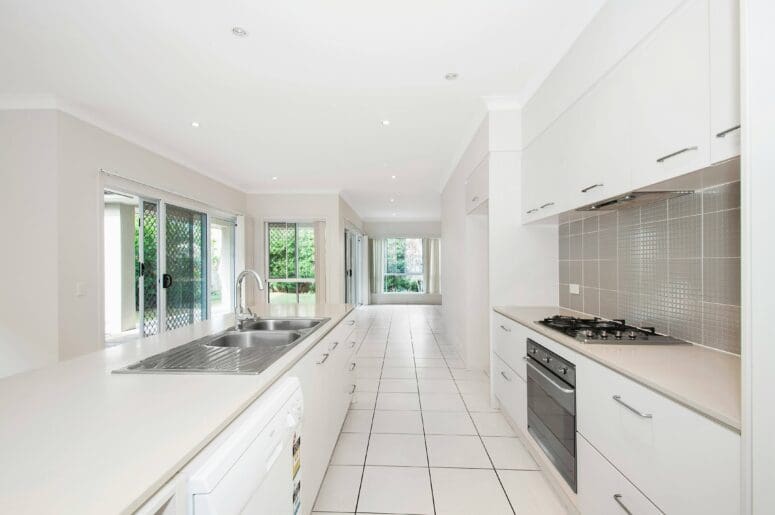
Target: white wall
29 311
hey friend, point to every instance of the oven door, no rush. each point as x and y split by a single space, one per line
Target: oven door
551 418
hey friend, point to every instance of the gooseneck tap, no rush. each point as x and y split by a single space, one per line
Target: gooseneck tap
242 313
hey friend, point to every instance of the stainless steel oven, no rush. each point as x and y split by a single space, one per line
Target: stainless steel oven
551 407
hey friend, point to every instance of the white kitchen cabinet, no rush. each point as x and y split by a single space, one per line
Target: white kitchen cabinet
682 461
724 79
603 490
545 170
511 391
510 343
478 185
671 97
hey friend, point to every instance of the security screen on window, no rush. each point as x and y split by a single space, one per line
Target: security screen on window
404 265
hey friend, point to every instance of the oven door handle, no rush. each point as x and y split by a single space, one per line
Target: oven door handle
563 395
554 384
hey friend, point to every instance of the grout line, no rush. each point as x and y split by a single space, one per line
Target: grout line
422 421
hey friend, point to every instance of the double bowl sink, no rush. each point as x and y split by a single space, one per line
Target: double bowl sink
248 350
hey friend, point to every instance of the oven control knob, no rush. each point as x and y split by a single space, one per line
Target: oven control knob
632 335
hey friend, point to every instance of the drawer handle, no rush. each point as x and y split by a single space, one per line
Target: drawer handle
507 378
618 499
333 346
723 134
546 205
352 366
618 399
505 328
352 390
678 152
530 211
474 199
590 188
353 343
325 357
350 322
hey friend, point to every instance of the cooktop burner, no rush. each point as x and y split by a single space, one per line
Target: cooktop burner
597 330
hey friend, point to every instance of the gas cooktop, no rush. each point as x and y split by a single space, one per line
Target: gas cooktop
598 330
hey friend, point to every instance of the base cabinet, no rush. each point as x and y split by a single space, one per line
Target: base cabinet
511 391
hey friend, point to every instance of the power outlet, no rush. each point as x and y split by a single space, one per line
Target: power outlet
574 289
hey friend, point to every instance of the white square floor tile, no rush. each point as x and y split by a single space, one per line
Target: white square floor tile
455 362
369 362
457 451
396 490
398 386
350 449
406 422
339 491
358 421
474 387
469 375
398 353
479 402
492 424
509 453
398 373
371 351
397 450
402 362
529 492
428 353
430 363
367 384
363 400
441 402
367 372
433 373
437 386
448 423
469 491
398 401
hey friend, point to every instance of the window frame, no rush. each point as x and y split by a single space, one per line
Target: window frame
296 280
415 275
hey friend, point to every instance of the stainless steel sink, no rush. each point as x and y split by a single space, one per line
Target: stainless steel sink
281 324
250 351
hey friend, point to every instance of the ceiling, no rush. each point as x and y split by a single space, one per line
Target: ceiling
303 96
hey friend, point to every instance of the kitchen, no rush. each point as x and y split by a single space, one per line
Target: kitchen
474 287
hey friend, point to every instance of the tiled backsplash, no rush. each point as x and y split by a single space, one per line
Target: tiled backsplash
673 265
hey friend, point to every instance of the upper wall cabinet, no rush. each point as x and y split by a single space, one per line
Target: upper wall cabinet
671 97
724 79
478 185
545 166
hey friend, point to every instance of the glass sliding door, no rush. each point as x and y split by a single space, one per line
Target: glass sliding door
222 263
147 267
185 275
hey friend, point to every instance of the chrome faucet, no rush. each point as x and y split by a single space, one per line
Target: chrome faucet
244 313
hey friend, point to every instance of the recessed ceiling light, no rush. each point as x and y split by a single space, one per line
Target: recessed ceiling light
394 214
195 124
392 200
451 76
385 122
274 178
239 32
392 176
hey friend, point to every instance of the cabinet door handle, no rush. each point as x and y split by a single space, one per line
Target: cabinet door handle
507 378
353 343
333 346
677 152
723 134
532 210
546 205
505 328
618 399
590 188
350 322
325 357
352 390
618 499
474 199
352 366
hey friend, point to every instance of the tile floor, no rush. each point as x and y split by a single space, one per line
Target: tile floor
421 436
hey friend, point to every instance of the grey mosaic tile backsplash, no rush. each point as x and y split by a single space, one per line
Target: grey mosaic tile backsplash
673 265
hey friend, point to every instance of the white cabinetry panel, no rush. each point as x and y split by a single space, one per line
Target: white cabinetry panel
724 79
511 391
477 185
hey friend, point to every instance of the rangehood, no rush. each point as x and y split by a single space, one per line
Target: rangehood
633 199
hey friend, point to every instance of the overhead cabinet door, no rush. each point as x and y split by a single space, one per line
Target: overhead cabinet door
671 100
724 79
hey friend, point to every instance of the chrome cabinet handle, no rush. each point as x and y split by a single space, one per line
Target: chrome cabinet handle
352 366
333 346
352 390
546 205
678 152
590 188
507 378
618 399
723 134
325 357
532 210
350 322
618 499
505 328
353 343
474 199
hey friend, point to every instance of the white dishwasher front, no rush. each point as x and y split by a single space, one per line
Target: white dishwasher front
253 466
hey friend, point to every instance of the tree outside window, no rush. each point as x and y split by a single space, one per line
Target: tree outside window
403 265
291 263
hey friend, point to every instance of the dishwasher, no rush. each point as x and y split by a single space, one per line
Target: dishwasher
253 467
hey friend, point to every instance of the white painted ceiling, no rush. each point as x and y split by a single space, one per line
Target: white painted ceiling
303 96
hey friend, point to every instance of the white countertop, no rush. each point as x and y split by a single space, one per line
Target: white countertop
75 438
705 380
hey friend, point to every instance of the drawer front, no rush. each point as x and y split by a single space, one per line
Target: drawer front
682 461
511 391
603 490
510 342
